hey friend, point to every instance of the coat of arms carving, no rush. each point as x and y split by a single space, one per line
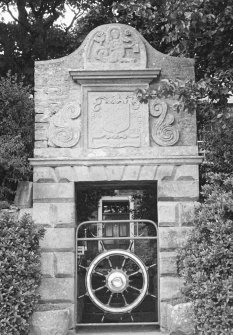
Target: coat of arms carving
114 120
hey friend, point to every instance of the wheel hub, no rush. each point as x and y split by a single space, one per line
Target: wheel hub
117 281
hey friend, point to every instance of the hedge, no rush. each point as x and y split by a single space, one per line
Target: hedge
19 273
206 262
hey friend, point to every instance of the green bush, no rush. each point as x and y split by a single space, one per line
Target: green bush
19 273
16 134
206 262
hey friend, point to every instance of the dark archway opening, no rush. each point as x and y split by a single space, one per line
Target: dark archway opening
117 253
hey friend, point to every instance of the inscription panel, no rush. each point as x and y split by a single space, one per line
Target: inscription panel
117 120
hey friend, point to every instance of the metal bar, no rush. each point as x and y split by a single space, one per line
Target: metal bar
117 221
118 324
117 238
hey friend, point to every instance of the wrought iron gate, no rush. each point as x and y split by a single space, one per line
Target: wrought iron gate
117 285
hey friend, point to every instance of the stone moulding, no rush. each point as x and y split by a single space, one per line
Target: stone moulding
64 161
87 77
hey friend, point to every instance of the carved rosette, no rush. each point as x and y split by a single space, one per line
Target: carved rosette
63 131
162 130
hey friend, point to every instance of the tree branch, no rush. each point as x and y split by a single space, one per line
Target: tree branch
75 17
10 12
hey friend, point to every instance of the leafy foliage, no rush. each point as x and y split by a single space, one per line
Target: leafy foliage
201 29
34 33
206 262
19 273
16 133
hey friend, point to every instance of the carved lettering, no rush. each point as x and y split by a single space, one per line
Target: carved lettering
162 131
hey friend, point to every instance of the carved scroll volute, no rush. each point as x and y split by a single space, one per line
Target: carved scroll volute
63 131
162 130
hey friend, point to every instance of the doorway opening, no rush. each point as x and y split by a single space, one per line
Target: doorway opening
117 278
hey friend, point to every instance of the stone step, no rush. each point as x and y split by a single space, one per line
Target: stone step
120 330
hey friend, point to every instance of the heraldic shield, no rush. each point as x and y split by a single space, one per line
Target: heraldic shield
116 118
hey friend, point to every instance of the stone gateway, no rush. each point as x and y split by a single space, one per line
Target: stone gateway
114 183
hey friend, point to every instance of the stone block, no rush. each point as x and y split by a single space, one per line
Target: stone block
131 172
180 319
58 239
41 131
164 312
64 264
57 290
179 189
168 213
173 237
114 172
44 175
54 214
40 144
164 172
98 173
187 172
47 264
168 263
170 288
23 197
56 191
48 306
65 174
148 172
82 173
40 118
50 322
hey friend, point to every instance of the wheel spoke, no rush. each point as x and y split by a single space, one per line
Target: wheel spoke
130 245
135 273
110 298
123 296
102 320
152 295
81 266
131 317
135 288
98 273
151 266
123 263
109 262
99 288
82 296
102 245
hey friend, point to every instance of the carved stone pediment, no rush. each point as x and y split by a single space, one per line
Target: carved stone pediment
115 46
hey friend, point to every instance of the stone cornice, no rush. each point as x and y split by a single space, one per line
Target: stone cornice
64 161
87 77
